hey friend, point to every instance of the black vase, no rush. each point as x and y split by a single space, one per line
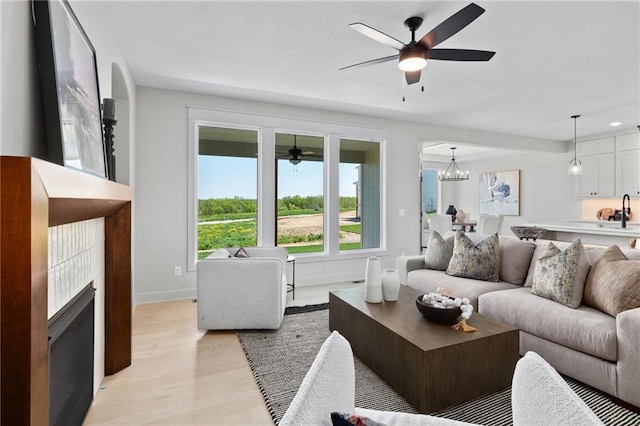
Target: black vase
452 211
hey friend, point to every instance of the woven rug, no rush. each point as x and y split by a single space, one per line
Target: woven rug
280 359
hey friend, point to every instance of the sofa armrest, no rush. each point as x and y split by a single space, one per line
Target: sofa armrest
406 264
628 333
540 396
328 386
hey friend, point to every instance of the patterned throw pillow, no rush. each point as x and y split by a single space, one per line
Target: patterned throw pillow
242 253
613 285
439 251
346 419
477 261
560 275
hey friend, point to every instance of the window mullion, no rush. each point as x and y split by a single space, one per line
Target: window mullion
332 194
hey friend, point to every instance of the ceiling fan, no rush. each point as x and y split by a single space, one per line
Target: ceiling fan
413 56
296 154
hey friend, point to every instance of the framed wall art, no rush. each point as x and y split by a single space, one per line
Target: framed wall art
500 193
70 92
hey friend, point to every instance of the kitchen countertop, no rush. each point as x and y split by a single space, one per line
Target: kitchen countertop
591 227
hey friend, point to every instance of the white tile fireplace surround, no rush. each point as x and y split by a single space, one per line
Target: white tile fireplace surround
75 258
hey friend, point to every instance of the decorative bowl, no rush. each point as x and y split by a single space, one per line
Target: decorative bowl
444 315
526 232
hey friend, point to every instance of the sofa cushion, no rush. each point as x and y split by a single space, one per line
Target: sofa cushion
439 251
560 275
428 281
478 261
515 258
584 329
613 285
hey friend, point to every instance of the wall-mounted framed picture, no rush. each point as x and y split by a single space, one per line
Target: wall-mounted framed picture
500 193
70 92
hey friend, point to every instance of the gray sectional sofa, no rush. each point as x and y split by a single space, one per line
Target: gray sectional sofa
586 343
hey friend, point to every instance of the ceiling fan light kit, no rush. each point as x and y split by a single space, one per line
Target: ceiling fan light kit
412 60
575 165
453 172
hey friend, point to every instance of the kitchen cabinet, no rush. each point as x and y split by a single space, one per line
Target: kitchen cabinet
598 162
628 165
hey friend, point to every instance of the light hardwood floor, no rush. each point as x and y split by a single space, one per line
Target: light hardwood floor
184 376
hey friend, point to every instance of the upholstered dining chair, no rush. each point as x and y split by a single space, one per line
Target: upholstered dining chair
441 223
489 224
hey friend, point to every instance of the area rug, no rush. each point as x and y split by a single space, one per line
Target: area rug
280 359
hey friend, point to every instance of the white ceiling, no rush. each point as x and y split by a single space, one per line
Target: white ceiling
554 59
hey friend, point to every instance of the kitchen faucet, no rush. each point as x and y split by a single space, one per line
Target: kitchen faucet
625 211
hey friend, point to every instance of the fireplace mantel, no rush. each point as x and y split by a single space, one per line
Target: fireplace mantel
35 195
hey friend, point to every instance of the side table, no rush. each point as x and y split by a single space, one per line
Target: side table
292 261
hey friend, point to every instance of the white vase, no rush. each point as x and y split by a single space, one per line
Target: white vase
461 216
390 285
373 281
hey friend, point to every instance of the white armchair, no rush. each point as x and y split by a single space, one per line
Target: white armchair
242 293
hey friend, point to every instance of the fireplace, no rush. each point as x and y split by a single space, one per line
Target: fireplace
41 195
71 360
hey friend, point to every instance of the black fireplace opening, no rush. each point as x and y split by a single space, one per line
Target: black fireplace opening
71 336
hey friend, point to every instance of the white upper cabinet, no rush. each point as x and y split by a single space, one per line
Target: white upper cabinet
598 162
628 165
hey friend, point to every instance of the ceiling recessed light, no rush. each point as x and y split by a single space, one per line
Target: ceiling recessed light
615 123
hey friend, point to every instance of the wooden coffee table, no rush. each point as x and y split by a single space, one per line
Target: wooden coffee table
430 364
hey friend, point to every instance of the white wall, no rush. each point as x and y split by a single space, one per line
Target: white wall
546 191
161 186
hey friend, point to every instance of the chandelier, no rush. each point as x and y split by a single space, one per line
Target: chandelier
453 172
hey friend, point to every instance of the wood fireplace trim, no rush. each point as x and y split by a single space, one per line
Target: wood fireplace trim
34 195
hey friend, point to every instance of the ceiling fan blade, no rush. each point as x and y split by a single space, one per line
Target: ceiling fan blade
376 35
372 62
412 76
451 25
460 54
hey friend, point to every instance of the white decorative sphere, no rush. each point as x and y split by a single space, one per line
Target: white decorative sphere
466 315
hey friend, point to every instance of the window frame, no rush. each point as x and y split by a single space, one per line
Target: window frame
267 126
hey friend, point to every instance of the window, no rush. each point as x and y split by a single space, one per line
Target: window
227 188
329 205
300 193
359 194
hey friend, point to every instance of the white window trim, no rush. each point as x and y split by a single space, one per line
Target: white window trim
267 126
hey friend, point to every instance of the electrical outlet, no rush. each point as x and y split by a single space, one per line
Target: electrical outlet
177 271
401 212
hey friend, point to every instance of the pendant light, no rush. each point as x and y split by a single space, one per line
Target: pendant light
575 165
452 173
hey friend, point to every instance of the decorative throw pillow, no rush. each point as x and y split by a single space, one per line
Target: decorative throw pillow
241 253
439 251
220 253
560 275
515 257
613 285
478 261
346 419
